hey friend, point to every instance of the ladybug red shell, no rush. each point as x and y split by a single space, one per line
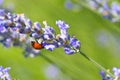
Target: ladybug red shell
36 45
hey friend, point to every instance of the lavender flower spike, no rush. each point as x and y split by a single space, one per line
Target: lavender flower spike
4 75
73 46
75 43
116 72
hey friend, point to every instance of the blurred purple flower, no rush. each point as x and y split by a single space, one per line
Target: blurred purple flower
7 42
3 29
62 25
105 6
115 8
2 13
1 2
68 4
116 72
51 72
4 75
102 73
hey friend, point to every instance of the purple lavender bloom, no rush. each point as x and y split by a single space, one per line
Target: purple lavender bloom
48 37
49 32
34 35
116 71
115 8
60 41
68 50
37 26
4 75
14 35
2 12
9 16
105 6
61 24
63 29
18 25
7 42
72 47
21 18
28 23
18 29
102 73
75 43
3 29
27 29
104 76
22 31
50 45
48 29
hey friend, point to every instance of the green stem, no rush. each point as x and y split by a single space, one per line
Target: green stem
96 64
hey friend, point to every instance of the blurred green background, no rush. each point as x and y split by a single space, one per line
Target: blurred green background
100 39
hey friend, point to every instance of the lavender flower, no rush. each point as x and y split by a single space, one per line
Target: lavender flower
49 32
115 8
4 75
2 13
63 29
36 26
75 43
50 45
52 72
68 50
2 29
109 11
116 72
104 76
17 29
62 25
7 42
73 46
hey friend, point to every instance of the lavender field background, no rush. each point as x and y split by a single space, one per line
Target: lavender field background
100 39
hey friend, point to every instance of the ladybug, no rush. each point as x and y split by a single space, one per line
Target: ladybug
36 45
